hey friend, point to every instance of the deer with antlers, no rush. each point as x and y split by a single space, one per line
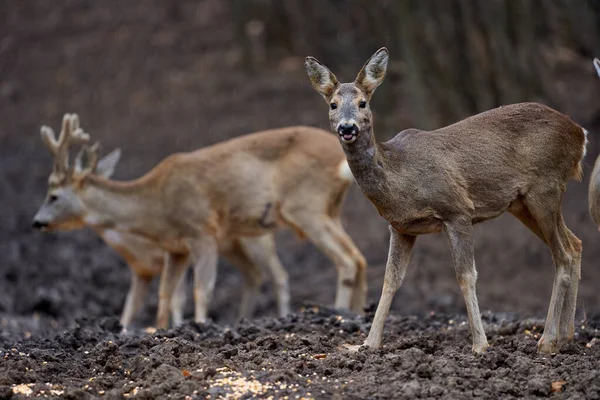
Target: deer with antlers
594 189
514 159
228 198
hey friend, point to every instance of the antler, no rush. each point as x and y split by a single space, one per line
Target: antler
87 160
71 133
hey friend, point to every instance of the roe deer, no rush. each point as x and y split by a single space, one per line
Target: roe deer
515 158
594 189
146 259
192 204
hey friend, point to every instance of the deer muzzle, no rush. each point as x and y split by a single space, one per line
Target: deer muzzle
347 132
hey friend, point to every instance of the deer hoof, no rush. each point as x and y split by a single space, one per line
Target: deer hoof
352 348
547 346
480 348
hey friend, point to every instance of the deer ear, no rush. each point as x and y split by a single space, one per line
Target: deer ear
597 65
108 163
373 72
321 78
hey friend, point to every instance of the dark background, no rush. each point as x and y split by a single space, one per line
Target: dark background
156 77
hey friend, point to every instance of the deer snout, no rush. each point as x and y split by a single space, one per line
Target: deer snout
347 132
347 129
37 224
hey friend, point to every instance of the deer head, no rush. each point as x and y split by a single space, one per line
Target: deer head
349 111
63 209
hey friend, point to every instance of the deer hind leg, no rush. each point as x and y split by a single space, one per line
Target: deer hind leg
566 254
178 301
252 277
359 294
135 298
323 232
262 252
395 270
460 238
567 316
173 270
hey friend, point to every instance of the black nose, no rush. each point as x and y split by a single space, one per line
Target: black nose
39 225
347 129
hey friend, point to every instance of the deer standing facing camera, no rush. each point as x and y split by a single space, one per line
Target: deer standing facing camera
515 158
226 198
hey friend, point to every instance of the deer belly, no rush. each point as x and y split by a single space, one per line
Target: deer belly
254 221
418 226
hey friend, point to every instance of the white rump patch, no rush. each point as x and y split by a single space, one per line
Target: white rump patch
344 171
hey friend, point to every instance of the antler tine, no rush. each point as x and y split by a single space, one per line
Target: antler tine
77 135
93 156
49 138
86 160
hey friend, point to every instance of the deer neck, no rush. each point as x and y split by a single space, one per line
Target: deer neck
365 159
124 206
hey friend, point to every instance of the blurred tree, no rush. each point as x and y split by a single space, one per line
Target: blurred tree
453 58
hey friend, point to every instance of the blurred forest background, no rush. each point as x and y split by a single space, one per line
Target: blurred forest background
155 77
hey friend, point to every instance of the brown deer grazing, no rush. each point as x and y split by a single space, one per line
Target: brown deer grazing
516 158
146 259
594 190
226 198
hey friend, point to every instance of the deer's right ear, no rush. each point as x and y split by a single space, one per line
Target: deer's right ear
106 166
597 65
321 78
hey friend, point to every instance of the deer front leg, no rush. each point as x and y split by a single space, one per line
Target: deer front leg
460 238
395 270
205 253
135 297
175 266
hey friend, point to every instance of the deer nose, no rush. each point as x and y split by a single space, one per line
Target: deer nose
39 224
347 129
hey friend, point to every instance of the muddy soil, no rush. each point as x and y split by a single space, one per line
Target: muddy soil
155 79
301 356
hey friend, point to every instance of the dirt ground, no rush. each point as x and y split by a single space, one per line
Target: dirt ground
154 81
302 356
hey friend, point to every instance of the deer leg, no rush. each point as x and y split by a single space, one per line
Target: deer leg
460 238
566 330
252 278
179 298
323 233
359 293
261 251
205 252
566 260
135 297
173 270
395 270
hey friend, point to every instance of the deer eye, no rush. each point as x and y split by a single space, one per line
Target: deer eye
362 104
52 198
333 106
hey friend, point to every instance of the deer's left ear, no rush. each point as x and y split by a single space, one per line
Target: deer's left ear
108 163
321 78
373 72
597 65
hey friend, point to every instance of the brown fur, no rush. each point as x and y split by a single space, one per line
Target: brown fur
192 204
515 158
